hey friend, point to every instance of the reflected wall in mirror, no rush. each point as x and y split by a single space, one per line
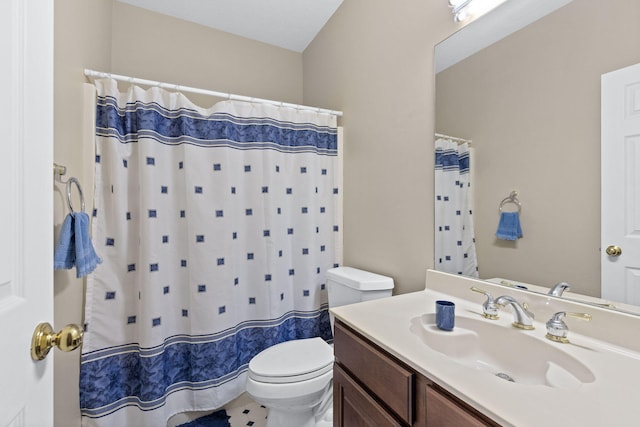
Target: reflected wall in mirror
531 104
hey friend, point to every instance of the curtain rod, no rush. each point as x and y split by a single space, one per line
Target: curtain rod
179 88
460 140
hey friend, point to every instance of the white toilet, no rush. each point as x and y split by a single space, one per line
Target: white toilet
293 379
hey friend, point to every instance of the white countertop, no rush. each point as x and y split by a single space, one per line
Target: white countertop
612 399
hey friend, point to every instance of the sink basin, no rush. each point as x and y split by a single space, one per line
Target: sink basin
505 352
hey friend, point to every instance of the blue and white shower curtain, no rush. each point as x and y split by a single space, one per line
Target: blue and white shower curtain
216 227
455 250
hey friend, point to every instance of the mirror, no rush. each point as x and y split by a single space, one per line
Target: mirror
530 103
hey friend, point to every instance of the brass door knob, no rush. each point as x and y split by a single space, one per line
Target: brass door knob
44 338
614 250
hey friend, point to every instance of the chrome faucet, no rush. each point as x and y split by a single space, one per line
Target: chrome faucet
559 288
522 318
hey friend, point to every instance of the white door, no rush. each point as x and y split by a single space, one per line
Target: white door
621 185
26 211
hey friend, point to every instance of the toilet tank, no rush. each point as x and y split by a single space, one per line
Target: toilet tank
347 285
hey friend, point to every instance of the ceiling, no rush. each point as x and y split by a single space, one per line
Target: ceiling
290 24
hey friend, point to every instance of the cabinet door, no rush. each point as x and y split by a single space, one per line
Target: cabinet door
353 407
383 377
444 412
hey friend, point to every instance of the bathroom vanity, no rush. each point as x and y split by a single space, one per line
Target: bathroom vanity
393 367
373 388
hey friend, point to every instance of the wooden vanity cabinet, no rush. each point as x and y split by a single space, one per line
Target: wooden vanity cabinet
444 410
371 388
354 406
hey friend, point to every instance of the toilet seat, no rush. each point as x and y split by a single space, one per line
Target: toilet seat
292 361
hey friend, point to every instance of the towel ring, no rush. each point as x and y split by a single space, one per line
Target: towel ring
73 180
512 198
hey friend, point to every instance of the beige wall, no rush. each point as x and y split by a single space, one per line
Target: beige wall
374 61
158 47
531 105
82 38
106 35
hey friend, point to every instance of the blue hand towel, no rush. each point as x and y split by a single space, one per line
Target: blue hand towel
65 254
74 246
86 258
509 226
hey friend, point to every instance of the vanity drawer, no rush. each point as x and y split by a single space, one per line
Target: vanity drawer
446 411
389 381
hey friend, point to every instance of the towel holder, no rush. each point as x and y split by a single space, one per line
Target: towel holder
58 171
73 180
512 198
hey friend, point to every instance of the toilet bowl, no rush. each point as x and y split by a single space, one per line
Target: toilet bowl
293 379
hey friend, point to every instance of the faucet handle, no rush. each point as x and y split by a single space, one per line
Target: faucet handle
489 307
525 307
557 329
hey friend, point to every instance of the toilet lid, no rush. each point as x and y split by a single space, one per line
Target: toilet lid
292 361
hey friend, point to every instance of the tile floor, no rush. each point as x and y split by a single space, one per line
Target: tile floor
243 412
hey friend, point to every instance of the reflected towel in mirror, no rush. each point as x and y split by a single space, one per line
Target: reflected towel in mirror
509 226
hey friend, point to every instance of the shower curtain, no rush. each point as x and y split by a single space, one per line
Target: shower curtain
216 227
455 250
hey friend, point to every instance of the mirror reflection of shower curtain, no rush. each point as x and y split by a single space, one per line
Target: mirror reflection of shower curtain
455 250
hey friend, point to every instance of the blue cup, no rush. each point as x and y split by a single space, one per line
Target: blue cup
445 315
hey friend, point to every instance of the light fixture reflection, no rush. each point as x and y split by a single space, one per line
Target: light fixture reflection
467 9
